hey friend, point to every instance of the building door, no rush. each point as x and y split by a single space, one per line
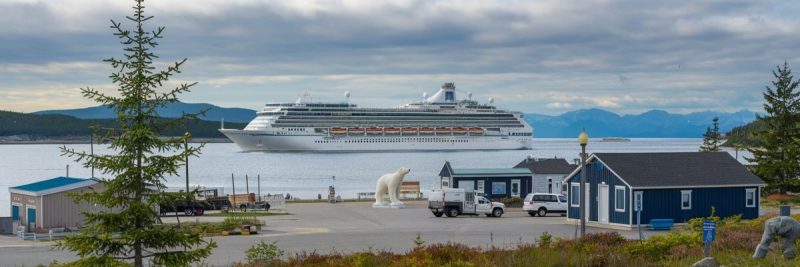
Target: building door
588 202
515 188
602 205
15 213
31 217
481 187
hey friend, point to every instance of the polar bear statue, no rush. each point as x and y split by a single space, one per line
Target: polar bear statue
390 183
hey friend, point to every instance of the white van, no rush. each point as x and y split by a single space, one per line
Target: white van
543 203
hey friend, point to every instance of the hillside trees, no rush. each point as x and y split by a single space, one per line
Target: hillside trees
711 139
778 154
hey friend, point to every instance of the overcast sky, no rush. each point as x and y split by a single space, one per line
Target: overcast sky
534 56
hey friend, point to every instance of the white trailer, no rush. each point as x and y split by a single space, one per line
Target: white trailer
454 202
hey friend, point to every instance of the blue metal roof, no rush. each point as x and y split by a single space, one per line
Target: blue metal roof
49 184
490 171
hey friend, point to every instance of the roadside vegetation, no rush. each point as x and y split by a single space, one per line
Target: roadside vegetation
246 214
229 224
734 245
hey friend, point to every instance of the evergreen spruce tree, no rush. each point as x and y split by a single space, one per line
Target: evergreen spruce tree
778 155
711 139
127 230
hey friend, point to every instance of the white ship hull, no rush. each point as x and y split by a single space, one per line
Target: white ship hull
267 141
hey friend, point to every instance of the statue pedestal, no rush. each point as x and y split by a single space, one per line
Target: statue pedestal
385 205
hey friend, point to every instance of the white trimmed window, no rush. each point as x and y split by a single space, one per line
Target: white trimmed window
575 194
750 197
686 199
619 198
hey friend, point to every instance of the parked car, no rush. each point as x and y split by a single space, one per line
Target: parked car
454 202
543 203
194 208
219 203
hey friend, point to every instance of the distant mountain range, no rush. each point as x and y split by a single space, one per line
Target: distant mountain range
598 122
654 123
214 113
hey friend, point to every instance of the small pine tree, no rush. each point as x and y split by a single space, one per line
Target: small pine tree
777 156
128 230
711 139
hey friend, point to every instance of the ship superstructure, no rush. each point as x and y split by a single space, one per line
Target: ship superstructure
439 122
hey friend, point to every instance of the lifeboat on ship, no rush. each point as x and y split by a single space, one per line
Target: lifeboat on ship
355 130
374 130
460 130
426 130
391 130
476 131
443 130
338 130
409 130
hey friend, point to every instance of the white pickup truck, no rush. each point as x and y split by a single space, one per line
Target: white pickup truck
454 202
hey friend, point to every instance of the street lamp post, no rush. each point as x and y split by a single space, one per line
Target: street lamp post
583 139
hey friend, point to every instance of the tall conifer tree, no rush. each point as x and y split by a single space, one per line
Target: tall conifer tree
711 139
778 155
128 230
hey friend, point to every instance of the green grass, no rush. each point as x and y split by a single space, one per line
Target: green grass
216 228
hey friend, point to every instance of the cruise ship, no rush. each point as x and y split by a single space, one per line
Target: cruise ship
438 122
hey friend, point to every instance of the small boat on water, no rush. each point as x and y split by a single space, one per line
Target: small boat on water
615 139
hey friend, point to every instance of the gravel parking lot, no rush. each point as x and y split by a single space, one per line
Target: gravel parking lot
348 227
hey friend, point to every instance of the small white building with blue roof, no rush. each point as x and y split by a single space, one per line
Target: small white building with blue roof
48 204
494 183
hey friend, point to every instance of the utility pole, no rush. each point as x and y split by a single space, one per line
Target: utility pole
259 187
233 186
67 170
247 185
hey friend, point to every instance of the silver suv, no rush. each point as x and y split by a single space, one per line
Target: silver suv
543 203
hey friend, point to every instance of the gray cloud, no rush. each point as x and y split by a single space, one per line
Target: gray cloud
537 56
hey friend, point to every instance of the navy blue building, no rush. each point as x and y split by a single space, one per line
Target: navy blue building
494 183
676 185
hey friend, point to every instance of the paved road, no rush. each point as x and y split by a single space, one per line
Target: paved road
348 227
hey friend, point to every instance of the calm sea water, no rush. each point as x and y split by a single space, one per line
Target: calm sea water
307 174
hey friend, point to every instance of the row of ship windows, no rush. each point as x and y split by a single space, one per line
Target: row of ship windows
295 129
521 134
395 140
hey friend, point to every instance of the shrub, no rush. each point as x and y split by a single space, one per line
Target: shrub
512 201
263 252
545 239
782 198
657 247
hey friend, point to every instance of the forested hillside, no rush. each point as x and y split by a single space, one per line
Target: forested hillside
745 135
55 126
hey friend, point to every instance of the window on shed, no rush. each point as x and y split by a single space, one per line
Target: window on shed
619 198
750 197
574 194
498 188
686 199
